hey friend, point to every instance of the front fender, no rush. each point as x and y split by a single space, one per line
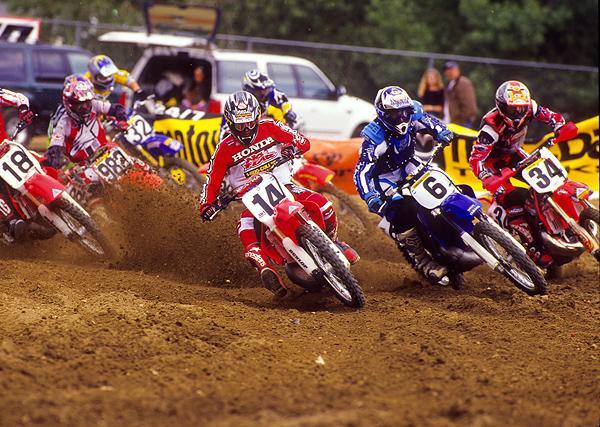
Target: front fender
311 173
462 209
288 217
44 188
159 145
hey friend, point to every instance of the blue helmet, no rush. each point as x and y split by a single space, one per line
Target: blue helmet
394 108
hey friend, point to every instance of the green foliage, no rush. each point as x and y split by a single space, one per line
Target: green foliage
559 31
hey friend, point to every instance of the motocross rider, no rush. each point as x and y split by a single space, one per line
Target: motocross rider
253 145
78 133
501 136
104 74
387 156
273 102
12 228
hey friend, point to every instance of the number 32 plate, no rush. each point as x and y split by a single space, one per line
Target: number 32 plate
112 165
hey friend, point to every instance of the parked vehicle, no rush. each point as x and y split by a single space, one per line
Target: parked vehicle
459 235
37 71
43 200
325 109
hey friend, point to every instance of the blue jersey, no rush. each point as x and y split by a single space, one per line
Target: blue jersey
386 157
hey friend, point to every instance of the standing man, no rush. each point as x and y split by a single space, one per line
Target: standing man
461 102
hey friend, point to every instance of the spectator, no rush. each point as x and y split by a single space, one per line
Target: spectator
196 96
460 97
431 93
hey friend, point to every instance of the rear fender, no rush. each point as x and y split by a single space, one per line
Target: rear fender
162 145
310 174
462 209
44 188
571 197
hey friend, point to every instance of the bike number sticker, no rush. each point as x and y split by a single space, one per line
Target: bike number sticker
545 175
139 129
17 166
262 199
112 165
499 214
432 189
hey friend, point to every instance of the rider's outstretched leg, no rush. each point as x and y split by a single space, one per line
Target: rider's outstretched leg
254 254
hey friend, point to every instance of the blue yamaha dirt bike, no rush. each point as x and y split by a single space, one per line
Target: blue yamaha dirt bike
157 150
457 233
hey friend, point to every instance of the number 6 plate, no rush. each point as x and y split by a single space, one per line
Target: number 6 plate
112 165
432 189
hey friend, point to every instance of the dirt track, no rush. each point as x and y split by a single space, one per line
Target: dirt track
177 333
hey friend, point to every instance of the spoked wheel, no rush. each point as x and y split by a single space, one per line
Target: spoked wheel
335 273
353 211
85 230
182 173
518 267
590 220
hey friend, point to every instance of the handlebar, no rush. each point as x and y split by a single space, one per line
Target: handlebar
533 156
20 126
423 166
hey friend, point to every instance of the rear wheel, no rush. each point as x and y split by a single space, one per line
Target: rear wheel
85 231
183 174
590 220
518 267
334 271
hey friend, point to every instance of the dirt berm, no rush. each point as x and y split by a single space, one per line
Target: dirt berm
176 332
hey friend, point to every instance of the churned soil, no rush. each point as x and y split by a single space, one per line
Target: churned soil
177 332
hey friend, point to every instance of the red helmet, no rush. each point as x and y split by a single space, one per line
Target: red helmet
513 101
78 93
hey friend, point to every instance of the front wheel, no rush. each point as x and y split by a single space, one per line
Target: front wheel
590 220
182 173
85 230
518 267
334 271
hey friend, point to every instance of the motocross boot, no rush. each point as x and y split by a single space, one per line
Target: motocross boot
520 227
268 276
17 228
410 243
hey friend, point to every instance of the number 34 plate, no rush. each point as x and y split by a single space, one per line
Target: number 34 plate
112 165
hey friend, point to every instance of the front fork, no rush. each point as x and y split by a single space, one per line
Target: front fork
584 237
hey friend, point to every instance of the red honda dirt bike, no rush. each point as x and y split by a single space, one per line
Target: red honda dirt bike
291 234
42 201
567 222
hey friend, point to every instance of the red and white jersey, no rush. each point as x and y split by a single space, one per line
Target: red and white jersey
9 98
240 162
496 139
81 141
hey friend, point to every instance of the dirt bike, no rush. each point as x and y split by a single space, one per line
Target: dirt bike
291 234
42 201
158 151
458 234
109 167
566 221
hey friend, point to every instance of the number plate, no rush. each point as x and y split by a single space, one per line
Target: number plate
262 199
139 130
432 189
112 165
546 174
17 166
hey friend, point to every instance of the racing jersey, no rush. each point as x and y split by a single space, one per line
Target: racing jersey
496 139
122 78
240 162
386 157
81 141
9 98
